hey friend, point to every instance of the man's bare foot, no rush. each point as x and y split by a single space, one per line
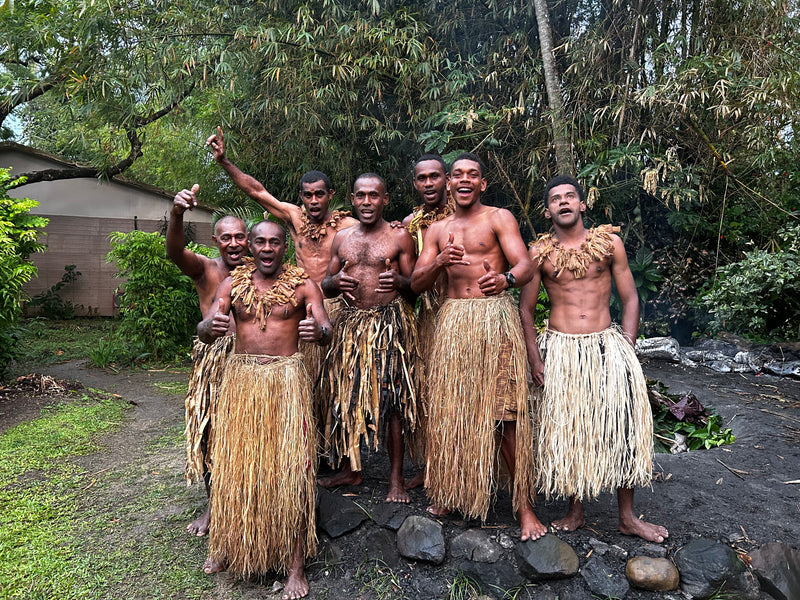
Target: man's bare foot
531 527
416 481
643 529
199 526
344 477
438 511
574 518
213 566
296 586
397 493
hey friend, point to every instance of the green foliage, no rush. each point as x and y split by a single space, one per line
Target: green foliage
50 302
759 296
159 305
19 234
645 273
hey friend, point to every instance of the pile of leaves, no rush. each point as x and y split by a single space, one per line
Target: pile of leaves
682 423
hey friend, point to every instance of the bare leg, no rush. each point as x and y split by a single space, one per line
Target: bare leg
344 477
199 526
630 524
531 528
214 566
396 448
574 518
296 585
416 481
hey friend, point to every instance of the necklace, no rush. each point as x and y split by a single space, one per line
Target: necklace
599 244
315 231
261 303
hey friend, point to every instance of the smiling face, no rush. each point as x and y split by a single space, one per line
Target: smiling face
267 245
369 198
430 182
564 206
230 238
466 182
316 197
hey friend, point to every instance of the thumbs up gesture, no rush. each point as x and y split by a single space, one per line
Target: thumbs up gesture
309 328
221 321
388 279
452 253
491 282
185 200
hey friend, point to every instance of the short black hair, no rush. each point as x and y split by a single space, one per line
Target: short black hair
435 157
469 156
225 218
314 176
563 180
278 225
371 176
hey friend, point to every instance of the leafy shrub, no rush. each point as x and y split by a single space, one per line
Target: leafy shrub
19 234
759 296
159 305
50 303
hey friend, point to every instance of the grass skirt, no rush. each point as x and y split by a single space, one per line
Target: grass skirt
264 457
371 370
595 426
478 375
208 363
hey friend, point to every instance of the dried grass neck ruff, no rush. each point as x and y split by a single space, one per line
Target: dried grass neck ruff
422 219
261 303
316 231
599 244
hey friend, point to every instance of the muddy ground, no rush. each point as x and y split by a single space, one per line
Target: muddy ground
739 494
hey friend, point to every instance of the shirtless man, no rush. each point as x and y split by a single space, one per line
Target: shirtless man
594 416
375 341
481 253
230 238
430 183
259 474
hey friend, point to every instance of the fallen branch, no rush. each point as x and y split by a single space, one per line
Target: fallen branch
737 472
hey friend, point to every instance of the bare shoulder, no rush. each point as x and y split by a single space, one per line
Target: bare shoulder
407 221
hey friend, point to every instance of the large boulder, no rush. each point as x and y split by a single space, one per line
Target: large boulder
777 567
708 567
660 348
420 538
546 558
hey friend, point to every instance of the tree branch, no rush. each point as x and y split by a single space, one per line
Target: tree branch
14 100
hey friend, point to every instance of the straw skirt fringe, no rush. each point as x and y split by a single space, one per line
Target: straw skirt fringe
471 385
264 465
208 363
371 370
595 428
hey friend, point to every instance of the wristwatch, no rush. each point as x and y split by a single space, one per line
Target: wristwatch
510 279
324 332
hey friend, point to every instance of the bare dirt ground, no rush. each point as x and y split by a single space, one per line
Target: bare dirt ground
739 494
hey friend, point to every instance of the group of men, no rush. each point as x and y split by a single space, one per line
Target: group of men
447 382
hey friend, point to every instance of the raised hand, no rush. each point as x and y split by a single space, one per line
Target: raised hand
309 329
452 254
217 144
185 200
490 283
388 280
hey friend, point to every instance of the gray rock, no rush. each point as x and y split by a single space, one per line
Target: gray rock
688 362
603 579
546 558
654 574
717 347
777 567
661 348
601 549
652 550
391 514
337 515
783 368
420 538
383 547
505 541
707 567
476 545
720 366
492 578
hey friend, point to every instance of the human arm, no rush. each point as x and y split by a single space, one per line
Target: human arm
248 184
528 297
217 320
316 327
626 288
188 262
432 262
513 248
336 280
400 280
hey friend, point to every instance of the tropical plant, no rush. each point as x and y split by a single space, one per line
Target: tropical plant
50 303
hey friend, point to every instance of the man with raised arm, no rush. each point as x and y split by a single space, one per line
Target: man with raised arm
595 425
372 370
477 384
430 183
264 451
208 360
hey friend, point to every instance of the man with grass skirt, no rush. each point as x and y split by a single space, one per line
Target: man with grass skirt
372 371
477 385
264 449
430 183
208 360
595 426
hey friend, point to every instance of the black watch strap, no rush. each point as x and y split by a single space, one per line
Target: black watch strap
510 279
